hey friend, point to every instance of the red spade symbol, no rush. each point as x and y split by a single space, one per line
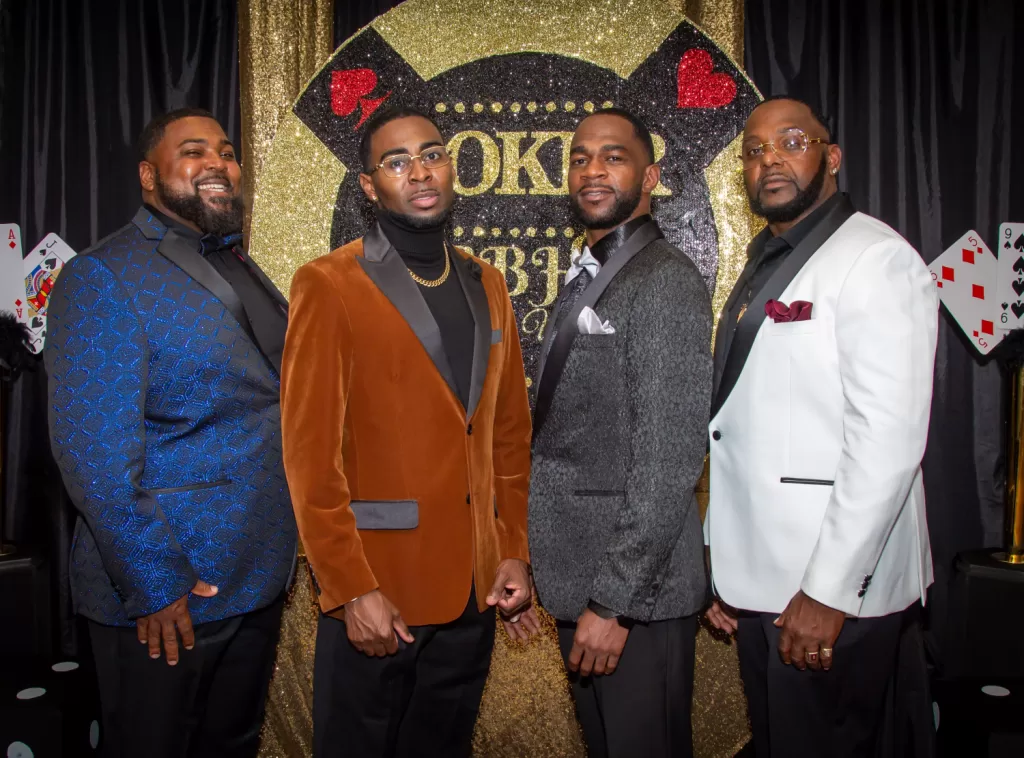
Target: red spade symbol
347 93
698 87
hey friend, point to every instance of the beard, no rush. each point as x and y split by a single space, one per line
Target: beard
621 210
792 210
219 216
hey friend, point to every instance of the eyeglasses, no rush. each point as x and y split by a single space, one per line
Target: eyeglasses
791 145
400 165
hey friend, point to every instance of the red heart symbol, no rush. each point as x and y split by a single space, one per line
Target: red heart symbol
348 86
698 87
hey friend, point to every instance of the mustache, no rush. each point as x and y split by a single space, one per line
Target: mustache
775 175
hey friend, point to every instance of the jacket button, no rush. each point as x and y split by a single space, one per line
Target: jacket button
862 593
467 500
469 429
716 435
649 601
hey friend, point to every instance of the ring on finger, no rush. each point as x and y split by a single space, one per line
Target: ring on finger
812 655
515 619
826 652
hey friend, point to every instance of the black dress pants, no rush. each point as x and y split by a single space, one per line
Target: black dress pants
422 701
210 704
643 708
808 714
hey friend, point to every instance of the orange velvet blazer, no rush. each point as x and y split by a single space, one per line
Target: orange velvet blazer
395 484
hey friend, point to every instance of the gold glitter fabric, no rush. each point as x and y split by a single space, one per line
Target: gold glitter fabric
509 121
281 43
288 725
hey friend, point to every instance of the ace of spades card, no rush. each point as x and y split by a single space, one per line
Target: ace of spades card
41 267
965 275
1010 292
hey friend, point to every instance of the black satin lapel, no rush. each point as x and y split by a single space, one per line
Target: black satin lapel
182 253
746 332
392 278
549 330
559 351
725 332
476 296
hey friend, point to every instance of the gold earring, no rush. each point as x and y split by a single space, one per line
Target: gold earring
374 197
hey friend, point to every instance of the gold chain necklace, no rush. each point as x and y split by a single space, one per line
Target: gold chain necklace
439 281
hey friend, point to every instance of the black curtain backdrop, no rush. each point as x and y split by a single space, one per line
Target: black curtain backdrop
78 81
352 15
921 96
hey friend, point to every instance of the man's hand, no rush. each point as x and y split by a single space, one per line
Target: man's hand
523 625
598 644
372 622
161 625
809 632
722 617
512 590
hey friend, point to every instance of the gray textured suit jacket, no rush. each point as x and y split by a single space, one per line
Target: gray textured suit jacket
613 516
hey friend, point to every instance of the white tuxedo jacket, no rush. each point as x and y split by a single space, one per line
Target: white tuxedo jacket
817 445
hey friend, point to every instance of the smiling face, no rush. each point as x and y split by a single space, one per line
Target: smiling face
611 175
193 176
785 188
423 197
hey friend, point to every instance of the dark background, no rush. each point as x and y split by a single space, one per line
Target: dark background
920 93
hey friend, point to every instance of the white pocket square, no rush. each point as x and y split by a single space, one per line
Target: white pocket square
590 323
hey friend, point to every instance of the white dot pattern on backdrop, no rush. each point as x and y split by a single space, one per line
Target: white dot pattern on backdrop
995 690
31 693
63 666
19 750
94 734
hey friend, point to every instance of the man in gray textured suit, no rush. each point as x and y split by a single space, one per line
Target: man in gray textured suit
620 431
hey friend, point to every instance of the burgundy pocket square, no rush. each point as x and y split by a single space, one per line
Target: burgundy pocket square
780 313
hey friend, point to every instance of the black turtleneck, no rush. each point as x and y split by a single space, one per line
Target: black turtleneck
423 251
267 320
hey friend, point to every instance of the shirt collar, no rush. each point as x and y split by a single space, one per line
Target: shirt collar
616 238
796 234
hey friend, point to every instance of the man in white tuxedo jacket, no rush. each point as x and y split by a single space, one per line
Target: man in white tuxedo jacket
823 378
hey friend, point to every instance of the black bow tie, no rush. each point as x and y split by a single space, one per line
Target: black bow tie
211 243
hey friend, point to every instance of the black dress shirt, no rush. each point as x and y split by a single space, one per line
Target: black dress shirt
769 251
268 322
423 252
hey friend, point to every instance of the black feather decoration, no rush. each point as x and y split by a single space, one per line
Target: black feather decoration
14 340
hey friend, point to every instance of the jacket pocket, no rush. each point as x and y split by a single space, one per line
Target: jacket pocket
599 493
188 487
386 514
596 341
797 480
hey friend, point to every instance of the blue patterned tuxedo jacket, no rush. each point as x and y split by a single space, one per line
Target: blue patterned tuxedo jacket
165 421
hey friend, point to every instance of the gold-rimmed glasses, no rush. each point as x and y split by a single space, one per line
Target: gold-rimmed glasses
401 164
789 146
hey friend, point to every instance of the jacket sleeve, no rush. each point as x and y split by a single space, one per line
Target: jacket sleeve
512 432
97 362
315 375
668 393
886 326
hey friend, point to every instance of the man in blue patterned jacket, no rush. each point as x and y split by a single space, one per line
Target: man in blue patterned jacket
164 353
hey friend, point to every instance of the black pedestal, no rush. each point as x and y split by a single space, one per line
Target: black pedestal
987 619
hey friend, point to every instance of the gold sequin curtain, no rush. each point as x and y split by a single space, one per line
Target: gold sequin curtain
527 708
281 44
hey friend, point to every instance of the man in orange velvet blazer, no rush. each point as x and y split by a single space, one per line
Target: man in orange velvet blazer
406 432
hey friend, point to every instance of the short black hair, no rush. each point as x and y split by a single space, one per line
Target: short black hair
823 120
378 120
154 131
640 129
